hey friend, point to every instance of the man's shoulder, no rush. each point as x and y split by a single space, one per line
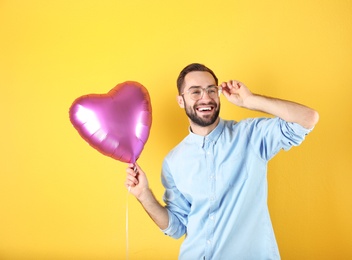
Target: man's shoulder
186 141
248 121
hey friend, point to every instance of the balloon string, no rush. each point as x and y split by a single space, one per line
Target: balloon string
127 195
127 244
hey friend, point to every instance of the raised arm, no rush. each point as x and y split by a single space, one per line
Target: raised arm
238 94
137 184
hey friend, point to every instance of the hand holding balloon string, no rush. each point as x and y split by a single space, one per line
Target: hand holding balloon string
136 172
136 180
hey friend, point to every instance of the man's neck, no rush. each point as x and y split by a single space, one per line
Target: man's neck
203 130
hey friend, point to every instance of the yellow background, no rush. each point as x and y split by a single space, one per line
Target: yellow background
61 199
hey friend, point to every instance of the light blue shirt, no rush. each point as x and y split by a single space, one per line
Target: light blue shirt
216 189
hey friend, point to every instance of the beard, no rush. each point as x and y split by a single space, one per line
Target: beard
204 120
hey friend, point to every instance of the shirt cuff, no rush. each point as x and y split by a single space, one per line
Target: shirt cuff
173 222
300 130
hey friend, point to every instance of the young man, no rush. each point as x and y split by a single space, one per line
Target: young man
215 179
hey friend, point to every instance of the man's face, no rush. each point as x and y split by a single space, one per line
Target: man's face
204 111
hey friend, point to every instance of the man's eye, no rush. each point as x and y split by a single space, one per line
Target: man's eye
196 92
211 91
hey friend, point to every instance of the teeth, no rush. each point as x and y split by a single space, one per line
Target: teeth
204 108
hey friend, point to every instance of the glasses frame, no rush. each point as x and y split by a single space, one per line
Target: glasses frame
219 89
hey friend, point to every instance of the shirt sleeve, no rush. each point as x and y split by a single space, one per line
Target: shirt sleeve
270 135
176 204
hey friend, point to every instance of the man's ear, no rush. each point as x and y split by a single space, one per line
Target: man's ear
180 101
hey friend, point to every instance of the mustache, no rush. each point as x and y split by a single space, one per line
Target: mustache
206 104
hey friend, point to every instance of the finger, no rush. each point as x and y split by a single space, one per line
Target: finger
232 83
132 179
138 169
238 84
130 167
226 92
129 184
224 88
131 172
223 84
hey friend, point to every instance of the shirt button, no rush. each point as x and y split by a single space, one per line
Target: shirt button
209 242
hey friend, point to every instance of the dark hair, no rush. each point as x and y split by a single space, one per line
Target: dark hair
190 68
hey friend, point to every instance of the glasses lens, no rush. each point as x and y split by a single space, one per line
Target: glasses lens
212 92
197 93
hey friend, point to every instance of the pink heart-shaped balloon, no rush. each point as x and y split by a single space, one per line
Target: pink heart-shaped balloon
117 124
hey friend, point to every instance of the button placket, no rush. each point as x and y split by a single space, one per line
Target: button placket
212 197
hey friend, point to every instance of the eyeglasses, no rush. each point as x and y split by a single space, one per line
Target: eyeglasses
197 93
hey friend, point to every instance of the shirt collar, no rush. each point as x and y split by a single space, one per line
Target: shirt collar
211 137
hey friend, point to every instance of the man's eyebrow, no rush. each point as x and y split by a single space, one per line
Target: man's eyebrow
200 86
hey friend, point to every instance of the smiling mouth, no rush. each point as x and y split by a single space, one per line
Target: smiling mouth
205 108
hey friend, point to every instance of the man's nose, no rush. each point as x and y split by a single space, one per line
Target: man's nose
205 95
